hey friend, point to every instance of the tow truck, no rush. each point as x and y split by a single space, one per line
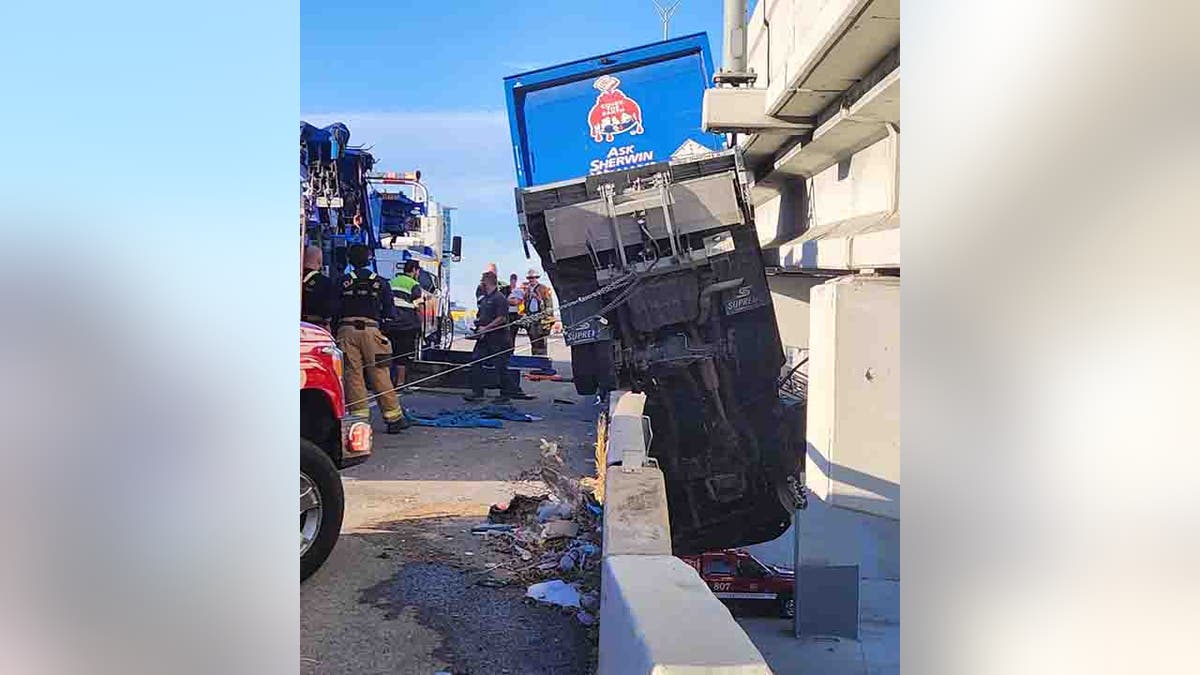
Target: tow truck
409 225
332 208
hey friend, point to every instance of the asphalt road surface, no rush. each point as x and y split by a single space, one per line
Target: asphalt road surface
401 592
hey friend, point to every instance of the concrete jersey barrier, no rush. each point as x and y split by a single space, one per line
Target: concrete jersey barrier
656 615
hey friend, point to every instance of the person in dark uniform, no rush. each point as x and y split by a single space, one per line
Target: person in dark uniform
491 343
316 297
405 330
500 285
364 302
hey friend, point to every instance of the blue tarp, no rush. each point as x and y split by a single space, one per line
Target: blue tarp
490 417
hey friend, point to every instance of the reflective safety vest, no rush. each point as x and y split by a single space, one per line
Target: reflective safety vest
402 291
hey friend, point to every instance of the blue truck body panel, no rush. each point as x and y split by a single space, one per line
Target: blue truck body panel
611 112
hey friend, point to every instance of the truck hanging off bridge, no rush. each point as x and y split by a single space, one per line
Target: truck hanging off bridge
619 189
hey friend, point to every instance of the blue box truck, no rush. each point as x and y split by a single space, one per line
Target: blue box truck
630 205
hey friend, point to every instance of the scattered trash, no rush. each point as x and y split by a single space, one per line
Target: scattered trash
491 582
552 541
487 528
589 601
551 510
517 510
564 401
560 528
555 592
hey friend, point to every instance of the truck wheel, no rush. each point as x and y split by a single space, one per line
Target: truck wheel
787 607
321 507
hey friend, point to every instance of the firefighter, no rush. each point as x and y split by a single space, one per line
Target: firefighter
316 298
538 299
405 330
365 301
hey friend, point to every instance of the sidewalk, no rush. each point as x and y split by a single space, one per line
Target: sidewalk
878 653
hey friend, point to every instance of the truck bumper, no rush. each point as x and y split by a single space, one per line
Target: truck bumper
357 440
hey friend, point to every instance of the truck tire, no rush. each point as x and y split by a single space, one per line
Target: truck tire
321 507
787 607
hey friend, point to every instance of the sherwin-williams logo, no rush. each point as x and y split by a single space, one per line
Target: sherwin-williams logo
614 112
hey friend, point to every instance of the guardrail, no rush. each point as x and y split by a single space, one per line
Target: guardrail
656 614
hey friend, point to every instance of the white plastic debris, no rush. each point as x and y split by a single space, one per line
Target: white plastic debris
555 592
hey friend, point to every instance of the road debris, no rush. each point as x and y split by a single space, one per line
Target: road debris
556 529
552 541
552 510
488 528
554 592
517 510
491 416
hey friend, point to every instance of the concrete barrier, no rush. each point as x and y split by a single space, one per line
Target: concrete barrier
656 614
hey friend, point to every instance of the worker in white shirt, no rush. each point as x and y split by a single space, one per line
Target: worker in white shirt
516 305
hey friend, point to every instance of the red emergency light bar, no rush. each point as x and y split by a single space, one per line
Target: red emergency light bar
391 177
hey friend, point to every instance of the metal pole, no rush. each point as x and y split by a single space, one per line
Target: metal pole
796 567
735 36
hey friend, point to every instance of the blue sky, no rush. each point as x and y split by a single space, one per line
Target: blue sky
421 83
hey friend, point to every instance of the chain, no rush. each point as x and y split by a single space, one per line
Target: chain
799 494
614 285
525 320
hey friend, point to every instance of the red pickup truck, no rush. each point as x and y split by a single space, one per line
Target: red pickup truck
735 575
329 440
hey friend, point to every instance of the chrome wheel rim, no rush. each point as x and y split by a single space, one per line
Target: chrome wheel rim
310 513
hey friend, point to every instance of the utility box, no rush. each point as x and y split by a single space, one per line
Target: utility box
853 428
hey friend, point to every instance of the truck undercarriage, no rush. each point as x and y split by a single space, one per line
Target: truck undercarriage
687 319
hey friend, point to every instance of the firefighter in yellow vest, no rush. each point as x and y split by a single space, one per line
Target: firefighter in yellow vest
405 330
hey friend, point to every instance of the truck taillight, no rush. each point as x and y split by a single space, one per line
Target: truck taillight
336 355
359 438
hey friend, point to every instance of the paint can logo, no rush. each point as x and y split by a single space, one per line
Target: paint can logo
614 112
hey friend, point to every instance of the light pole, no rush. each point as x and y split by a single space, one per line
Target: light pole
665 12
